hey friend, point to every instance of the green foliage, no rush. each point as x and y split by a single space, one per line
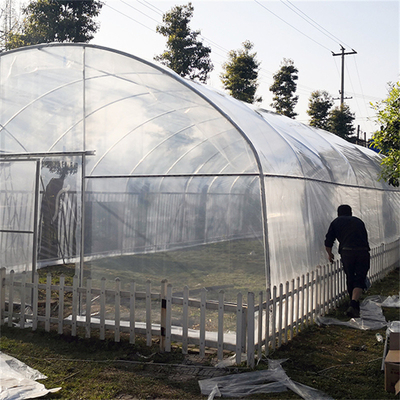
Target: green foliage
284 87
341 122
56 21
241 73
185 54
387 139
319 105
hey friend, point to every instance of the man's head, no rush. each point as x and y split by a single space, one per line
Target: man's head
344 210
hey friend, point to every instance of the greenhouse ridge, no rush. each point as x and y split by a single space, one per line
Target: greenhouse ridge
126 169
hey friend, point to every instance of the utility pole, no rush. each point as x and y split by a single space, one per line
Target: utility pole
342 53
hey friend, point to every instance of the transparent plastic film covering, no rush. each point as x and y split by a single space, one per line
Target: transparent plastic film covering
183 182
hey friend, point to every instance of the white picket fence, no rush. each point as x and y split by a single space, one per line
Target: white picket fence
265 322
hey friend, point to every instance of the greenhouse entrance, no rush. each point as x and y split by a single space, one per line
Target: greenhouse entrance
42 213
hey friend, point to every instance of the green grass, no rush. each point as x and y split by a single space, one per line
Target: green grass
339 361
234 266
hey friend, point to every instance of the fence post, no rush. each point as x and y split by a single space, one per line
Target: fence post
163 313
250 329
2 294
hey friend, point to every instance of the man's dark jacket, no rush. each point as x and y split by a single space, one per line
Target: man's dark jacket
349 231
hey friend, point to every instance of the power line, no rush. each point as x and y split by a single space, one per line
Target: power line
141 12
313 23
287 23
127 16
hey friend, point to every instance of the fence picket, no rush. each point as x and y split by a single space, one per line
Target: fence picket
312 294
168 319
267 324
220 345
297 304
35 301
292 318
239 328
103 308
88 307
250 329
280 315
117 310
2 294
132 306
11 299
302 313
148 313
273 339
164 283
307 291
203 323
61 290
185 322
286 319
260 324
23 301
48 304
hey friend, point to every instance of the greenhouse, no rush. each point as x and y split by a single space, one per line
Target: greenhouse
124 169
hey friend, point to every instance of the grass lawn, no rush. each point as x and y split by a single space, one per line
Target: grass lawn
342 362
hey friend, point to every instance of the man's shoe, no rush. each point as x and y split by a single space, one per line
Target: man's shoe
353 312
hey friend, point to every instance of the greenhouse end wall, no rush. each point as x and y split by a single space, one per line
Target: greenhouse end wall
121 167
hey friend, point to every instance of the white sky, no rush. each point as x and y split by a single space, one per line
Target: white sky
279 29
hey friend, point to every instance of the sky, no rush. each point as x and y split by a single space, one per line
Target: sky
307 32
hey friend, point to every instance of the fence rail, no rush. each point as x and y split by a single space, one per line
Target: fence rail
265 322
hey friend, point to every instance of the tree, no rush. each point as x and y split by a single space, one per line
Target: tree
185 54
284 87
241 74
319 105
387 139
49 21
340 122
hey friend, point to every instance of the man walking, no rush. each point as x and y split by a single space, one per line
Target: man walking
354 253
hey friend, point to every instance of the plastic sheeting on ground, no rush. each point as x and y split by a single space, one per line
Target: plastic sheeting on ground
18 381
271 380
371 315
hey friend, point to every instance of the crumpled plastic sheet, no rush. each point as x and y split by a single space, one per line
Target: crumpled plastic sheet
271 380
383 301
18 381
371 317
